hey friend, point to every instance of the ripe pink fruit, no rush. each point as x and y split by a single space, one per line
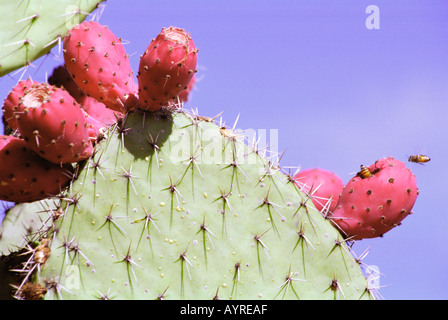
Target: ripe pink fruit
97 61
13 102
26 177
53 125
166 68
61 78
184 95
94 127
323 186
99 111
371 206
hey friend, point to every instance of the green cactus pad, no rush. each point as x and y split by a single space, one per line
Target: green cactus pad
30 28
22 223
172 206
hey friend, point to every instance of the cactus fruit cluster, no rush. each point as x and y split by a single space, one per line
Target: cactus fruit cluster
121 193
376 200
96 115
372 203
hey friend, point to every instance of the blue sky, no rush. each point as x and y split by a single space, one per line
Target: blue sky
338 94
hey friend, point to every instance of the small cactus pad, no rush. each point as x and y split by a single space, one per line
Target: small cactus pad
30 28
172 206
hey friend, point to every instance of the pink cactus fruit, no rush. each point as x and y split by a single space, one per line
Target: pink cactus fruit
323 186
61 78
94 126
26 177
53 125
372 204
97 61
185 94
166 68
99 111
13 102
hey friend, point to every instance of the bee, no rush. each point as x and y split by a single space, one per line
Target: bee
419 158
364 173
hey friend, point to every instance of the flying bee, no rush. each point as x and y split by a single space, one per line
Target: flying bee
419 158
364 173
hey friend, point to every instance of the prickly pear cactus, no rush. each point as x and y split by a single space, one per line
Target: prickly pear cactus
174 206
30 28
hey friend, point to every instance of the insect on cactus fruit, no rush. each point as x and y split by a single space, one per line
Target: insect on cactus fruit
374 203
173 206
